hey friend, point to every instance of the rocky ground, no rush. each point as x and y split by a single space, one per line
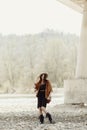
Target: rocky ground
66 117
21 113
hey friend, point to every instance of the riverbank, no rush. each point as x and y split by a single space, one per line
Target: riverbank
19 112
66 117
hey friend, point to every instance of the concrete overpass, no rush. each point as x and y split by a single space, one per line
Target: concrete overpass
77 5
75 90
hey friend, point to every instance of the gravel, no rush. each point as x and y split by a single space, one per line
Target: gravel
66 117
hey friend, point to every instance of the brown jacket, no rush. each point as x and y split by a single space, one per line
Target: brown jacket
48 88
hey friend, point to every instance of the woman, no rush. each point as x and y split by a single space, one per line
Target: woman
43 89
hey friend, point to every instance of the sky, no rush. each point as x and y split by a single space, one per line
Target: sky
33 16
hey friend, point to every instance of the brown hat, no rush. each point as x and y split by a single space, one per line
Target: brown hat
46 75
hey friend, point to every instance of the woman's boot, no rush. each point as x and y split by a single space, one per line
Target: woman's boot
41 117
48 115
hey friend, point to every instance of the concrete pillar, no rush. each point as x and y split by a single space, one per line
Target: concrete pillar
81 69
76 89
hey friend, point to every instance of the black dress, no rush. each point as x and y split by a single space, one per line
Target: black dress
41 96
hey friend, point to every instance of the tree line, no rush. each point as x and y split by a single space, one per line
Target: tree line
23 58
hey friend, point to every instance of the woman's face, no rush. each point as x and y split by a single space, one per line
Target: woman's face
43 77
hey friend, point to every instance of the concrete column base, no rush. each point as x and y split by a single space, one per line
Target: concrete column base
75 91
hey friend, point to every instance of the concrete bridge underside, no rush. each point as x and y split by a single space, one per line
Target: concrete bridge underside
77 5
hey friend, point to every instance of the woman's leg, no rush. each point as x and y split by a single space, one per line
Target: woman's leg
40 110
41 117
48 115
44 109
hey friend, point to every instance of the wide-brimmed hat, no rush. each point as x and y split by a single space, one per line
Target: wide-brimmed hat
44 74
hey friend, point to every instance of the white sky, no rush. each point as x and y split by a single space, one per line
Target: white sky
33 16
